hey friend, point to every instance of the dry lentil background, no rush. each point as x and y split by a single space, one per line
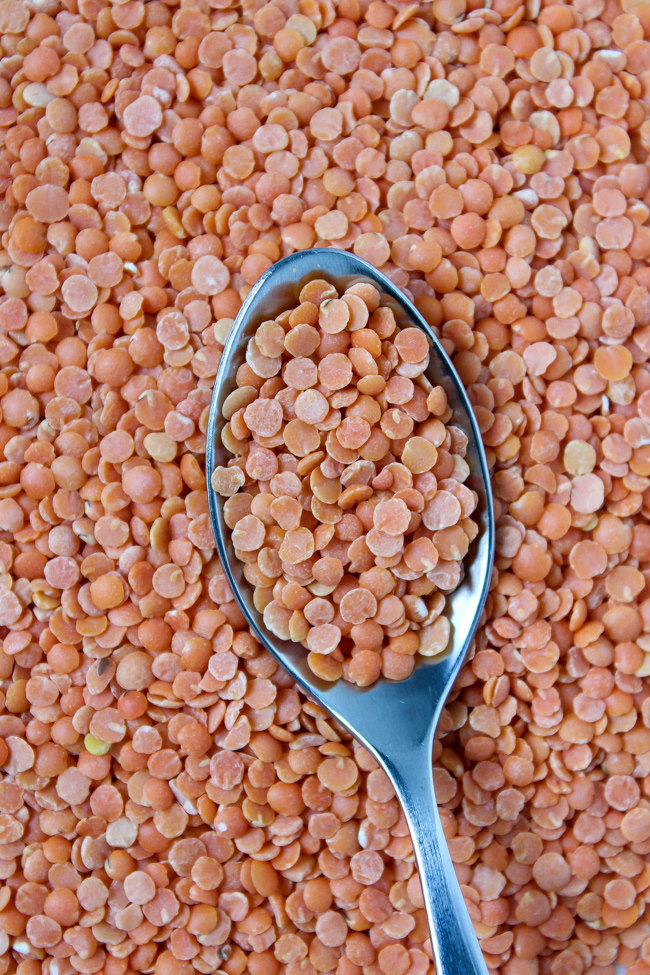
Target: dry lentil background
169 802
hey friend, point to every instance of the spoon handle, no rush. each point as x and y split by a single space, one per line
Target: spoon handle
455 945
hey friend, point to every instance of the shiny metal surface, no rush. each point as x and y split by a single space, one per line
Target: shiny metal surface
395 721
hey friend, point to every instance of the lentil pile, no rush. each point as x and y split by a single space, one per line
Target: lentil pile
169 802
357 518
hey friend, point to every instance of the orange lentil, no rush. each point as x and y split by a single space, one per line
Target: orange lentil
156 159
286 608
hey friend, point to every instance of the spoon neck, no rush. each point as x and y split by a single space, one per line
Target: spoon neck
455 947
411 773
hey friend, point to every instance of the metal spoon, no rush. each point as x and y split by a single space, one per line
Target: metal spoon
395 721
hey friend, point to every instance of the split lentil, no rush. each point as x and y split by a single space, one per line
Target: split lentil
155 159
352 553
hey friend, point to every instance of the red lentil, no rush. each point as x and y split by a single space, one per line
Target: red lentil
155 160
326 562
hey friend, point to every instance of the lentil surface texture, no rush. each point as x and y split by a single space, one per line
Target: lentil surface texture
345 493
169 803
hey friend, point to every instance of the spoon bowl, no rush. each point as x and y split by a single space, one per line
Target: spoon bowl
394 720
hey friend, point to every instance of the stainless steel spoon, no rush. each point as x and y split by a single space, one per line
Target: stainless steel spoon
395 721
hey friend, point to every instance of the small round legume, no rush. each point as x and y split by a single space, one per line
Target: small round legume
157 158
380 518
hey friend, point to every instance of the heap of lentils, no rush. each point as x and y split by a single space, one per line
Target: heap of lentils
356 519
169 802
